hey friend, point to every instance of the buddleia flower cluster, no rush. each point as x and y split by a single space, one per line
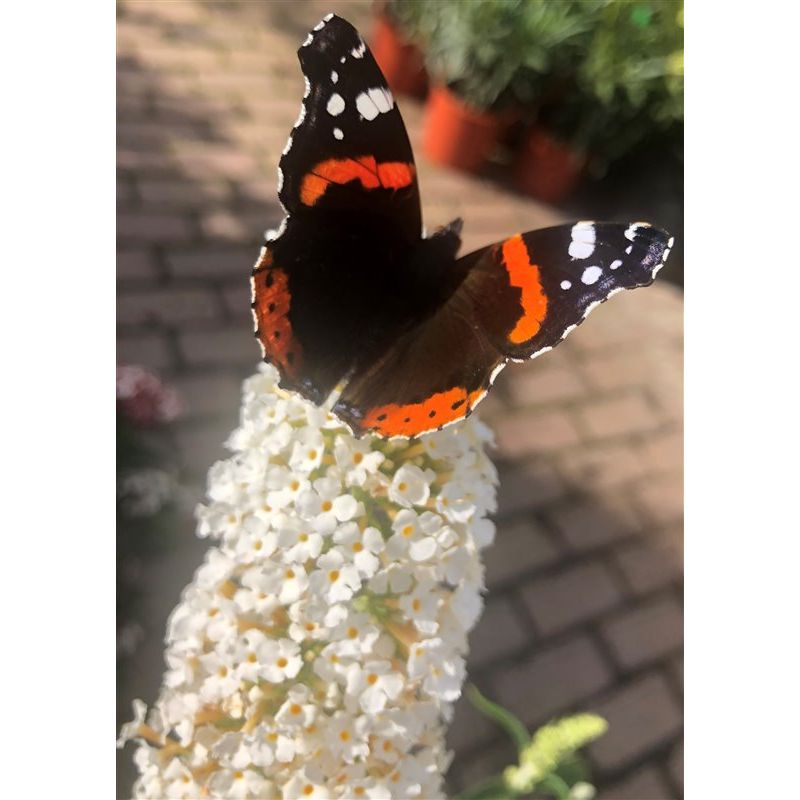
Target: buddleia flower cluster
320 647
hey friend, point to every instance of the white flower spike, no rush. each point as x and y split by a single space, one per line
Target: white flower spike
322 644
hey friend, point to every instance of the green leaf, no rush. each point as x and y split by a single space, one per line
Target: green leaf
505 719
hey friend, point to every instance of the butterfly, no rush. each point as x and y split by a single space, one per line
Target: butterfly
354 305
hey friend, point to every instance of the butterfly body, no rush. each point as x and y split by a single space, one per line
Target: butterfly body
349 296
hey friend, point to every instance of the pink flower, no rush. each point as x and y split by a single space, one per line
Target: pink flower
143 398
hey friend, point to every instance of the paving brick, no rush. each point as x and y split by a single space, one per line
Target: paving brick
228 262
225 347
136 265
645 634
181 193
167 305
210 394
519 548
650 564
238 226
544 382
469 727
552 681
237 300
602 466
663 452
676 671
218 161
594 523
604 419
527 486
644 784
200 447
489 760
641 716
675 765
148 349
157 228
662 498
499 633
527 434
576 595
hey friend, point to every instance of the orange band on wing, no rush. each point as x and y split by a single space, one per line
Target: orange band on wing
365 169
416 418
525 276
271 302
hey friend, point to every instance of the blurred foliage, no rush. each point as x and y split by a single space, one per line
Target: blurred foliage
601 75
549 764
147 513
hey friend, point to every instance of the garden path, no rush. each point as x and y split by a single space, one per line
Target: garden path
585 603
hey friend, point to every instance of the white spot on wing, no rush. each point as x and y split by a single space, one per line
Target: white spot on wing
566 285
308 40
342 59
334 76
358 52
307 90
633 229
628 249
301 116
373 102
591 307
616 263
320 25
382 98
288 146
328 17
366 107
583 239
335 105
671 242
337 134
591 275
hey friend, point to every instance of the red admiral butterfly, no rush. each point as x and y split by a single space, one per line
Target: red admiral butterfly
348 291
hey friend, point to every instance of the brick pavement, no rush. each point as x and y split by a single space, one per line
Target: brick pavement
584 610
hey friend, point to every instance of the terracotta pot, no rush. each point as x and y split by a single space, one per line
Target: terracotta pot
547 168
456 134
401 62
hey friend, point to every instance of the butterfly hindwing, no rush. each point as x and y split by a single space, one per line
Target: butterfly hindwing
518 298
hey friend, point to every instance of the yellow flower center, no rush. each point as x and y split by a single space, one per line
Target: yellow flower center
358 458
327 505
289 574
308 789
333 575
295 709
416 605
372 679
358 547
402 486
281 662
344 736
352 633
303 537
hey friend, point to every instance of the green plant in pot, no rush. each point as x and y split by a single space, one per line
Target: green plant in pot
625 87
483 57
392 43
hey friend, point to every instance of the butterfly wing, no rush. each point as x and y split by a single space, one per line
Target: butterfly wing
349 151
348 183
518 299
